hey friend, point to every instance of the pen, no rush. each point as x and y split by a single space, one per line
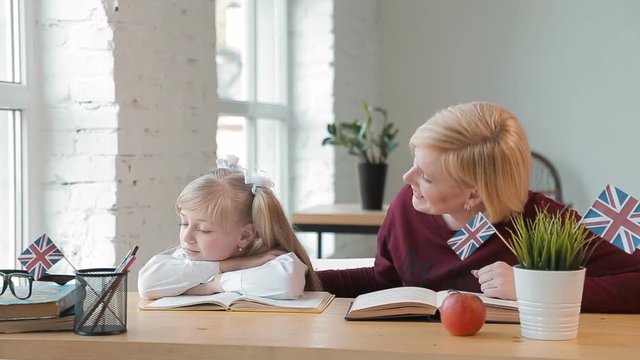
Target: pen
112 290
106 296
124 261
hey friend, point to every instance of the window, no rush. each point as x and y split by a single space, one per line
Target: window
13 100
251 54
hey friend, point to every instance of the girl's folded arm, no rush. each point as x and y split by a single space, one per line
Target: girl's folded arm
169 275
281 278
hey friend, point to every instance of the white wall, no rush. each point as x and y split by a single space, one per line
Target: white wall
357 78
570 70
125 118
311 78
128 100
166 89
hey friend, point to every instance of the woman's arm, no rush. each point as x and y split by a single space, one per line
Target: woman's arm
612 281
349 282
610 285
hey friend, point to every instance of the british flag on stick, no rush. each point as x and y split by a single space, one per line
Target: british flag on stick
471 236
40 256
615 217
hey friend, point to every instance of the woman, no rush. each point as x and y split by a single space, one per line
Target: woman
473 158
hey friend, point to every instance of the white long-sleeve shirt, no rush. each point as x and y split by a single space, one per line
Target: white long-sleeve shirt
173 274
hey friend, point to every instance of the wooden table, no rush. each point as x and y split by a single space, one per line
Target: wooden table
338 218
226 335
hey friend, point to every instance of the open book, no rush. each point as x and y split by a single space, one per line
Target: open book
309 302
420 302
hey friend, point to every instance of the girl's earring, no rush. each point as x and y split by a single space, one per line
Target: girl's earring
240 249
467 207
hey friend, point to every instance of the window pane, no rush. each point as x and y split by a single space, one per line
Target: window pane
270 140
270 52
232 49
231 137
9 51
7 186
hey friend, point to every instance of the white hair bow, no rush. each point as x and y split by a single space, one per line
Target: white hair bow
229 162
258 179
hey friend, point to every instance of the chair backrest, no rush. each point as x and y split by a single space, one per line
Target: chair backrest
544 177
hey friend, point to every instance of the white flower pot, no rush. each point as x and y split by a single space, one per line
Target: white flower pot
549 302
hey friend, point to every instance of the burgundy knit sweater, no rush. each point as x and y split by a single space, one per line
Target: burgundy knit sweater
413 251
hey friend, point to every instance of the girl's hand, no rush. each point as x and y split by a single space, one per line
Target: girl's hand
207 288
496 280
246 262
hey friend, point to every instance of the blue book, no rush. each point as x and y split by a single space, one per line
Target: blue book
47 300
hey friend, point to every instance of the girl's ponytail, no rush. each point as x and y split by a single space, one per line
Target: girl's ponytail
275 230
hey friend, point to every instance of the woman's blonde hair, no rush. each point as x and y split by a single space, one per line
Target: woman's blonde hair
483 146
222 194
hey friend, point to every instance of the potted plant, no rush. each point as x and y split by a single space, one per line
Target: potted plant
552 251
371 141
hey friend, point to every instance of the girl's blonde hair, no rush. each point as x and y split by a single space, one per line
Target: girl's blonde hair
223 195
483 146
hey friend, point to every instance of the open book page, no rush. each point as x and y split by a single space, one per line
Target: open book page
420 302
398 301
222 300
488 301
310 301
498 310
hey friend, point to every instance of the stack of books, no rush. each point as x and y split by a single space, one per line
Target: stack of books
49 308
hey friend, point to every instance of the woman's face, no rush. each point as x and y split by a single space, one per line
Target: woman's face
434 192
200 239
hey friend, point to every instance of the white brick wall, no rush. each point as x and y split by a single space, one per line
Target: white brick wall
126 115
312 56
357 79
334 64
312 100
125 119
72 131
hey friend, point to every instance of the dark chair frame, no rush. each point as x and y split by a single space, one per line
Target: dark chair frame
554 174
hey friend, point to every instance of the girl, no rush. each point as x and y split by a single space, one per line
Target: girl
234 236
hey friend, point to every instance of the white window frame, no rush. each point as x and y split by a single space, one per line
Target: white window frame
16 96
253 110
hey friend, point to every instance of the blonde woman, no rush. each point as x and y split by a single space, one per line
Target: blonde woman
234 236
473 158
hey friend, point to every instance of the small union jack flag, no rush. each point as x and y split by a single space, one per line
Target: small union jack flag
471 236
615 217
40 256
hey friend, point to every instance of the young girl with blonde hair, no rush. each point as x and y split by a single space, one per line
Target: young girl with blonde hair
234 236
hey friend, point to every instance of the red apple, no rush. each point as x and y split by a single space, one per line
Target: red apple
462 314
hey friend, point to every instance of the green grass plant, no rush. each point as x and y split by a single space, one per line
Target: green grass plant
553 242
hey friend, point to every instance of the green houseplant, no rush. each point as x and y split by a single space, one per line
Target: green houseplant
550 242
360 138
552 250
371 140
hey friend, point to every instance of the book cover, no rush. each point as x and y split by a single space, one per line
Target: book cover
408 301
310 301
62 323
47 300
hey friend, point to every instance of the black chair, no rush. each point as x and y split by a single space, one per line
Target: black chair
544 177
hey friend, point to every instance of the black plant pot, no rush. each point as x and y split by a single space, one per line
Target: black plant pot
372 179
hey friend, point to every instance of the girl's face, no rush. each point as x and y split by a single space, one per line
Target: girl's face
202 240
434 192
